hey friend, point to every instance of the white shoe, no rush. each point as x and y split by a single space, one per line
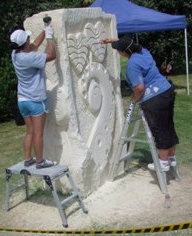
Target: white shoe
45 164
172 161
164 166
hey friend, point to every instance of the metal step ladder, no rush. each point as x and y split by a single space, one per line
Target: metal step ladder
50 175
131 141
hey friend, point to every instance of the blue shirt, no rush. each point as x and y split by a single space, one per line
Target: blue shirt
29 68
141 68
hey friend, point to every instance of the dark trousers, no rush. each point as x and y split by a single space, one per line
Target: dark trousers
159 113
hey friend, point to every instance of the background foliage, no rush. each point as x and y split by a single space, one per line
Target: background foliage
13 13
162 44
169 44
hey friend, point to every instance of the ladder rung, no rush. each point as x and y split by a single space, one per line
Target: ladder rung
125 157
68 199
22 186
138 140
126 140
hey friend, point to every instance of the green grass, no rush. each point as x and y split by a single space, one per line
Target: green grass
183 114
11 150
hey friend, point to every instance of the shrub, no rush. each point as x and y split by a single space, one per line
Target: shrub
8 85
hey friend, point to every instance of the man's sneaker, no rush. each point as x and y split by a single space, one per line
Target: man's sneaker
29 162
45 164
164 166
172 161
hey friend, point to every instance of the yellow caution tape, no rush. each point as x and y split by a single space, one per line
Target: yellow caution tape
152 229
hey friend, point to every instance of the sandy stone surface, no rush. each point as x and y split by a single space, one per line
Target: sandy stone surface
133 200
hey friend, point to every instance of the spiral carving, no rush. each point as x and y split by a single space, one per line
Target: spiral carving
96 90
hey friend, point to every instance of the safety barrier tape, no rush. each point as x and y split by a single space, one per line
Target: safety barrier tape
152 229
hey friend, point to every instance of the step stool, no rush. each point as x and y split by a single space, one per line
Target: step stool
50 175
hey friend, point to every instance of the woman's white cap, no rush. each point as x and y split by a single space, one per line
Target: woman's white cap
20 36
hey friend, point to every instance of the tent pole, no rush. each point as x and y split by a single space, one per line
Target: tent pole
187 62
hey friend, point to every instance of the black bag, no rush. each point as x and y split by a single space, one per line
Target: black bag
17 115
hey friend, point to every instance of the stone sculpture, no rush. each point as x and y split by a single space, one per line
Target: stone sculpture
83 86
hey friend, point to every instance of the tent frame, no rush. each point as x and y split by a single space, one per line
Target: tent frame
187 61
182 25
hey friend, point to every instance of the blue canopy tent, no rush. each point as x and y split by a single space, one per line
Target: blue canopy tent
132 18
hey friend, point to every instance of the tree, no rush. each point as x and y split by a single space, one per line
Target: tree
168 44
164 43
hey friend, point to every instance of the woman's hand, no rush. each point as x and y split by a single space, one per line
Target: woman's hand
106 41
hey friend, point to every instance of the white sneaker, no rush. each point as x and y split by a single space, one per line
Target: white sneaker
164 166
172 161
45 164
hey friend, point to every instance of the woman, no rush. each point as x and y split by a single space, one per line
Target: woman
155 95
29 67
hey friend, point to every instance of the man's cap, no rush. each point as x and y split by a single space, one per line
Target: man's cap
20 37
123 43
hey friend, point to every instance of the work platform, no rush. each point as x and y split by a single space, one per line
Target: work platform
50 175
